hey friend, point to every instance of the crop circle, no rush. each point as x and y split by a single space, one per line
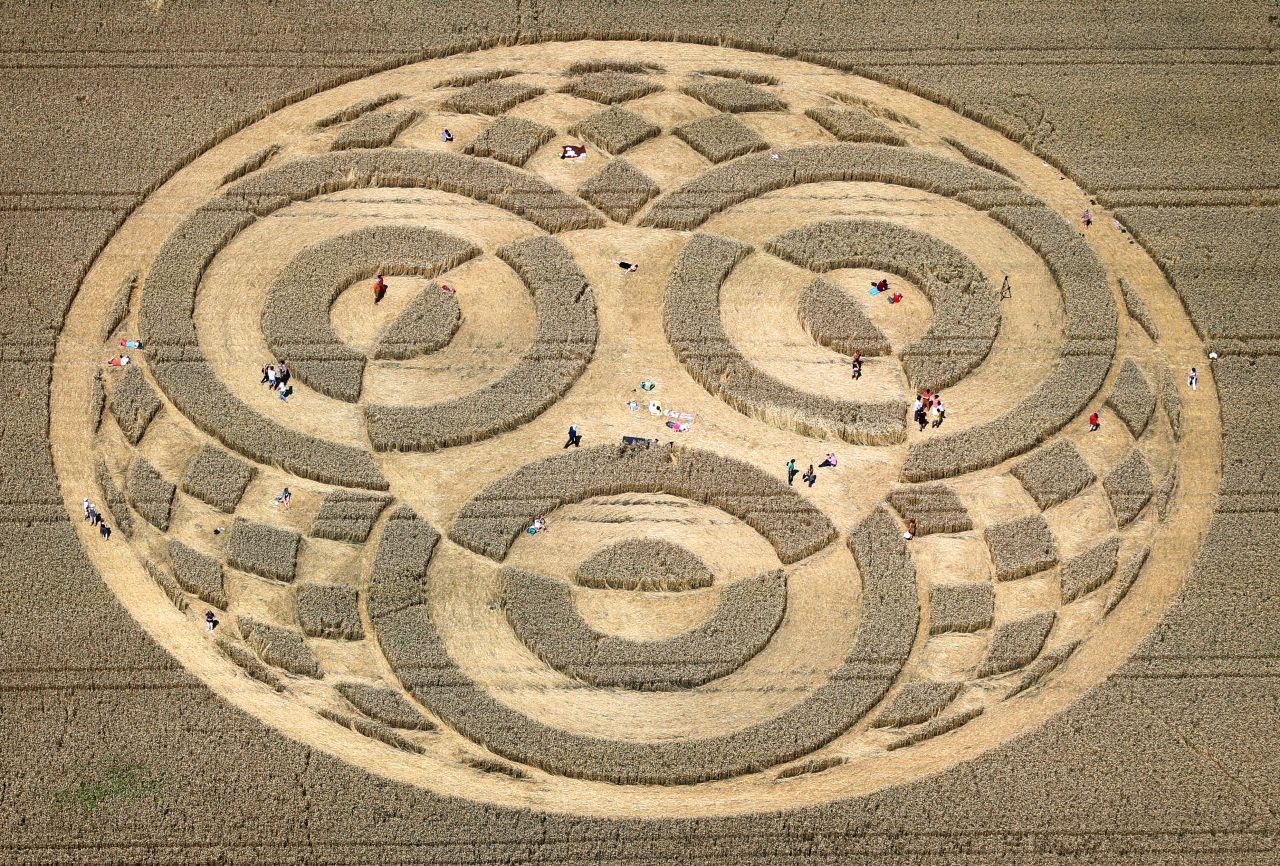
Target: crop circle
697 631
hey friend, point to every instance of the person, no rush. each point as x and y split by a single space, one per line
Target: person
911 530
575 438
131 344
210 621
1086 218
283 498
267 372
857 366
121 361
773 154
104 531
88 509
446 136
655 408
633 405
627 266
895 298
379 289
283 374
938 412
922 418
647 385
791 470
810 476
94 517
539 525
830 462
271 376
1193 378
678 426
918 405
1094 423
285 392
878 287
448 290
217 530
573 151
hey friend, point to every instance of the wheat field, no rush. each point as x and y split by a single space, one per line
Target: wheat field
994 636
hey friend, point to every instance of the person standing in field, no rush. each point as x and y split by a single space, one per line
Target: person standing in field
267 370
284 374
379 289
857 366
271 376
210 621
104 531
575 438
830 462
1094 423
1193 378
792 471
88 509
938 412
810 477
1086 218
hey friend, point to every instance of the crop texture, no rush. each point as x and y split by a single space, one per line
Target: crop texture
1053 474
619 190
218 478
615 130
648 564
267 551
330 611
720 137
1021 547
510 139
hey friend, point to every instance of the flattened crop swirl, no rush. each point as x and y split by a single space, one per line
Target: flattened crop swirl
890 615
168 301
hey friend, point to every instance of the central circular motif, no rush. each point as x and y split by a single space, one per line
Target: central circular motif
760 578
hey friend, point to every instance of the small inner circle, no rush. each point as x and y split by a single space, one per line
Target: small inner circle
359 321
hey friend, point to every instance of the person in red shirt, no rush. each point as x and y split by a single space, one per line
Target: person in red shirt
1094 424
379 289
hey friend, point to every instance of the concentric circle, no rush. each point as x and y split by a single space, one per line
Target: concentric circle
691 627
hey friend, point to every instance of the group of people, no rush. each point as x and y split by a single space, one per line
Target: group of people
810 476
928 409
95 519
276 377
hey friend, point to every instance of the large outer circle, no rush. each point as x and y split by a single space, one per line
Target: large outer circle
443 768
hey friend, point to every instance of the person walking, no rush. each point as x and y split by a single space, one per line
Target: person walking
938 412
575 438
283 374
830 462
272 380
379 289
88 509
810 477
266 374
1094 423
792 471
857 366
1086 218
104 531
1193 378
94 517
